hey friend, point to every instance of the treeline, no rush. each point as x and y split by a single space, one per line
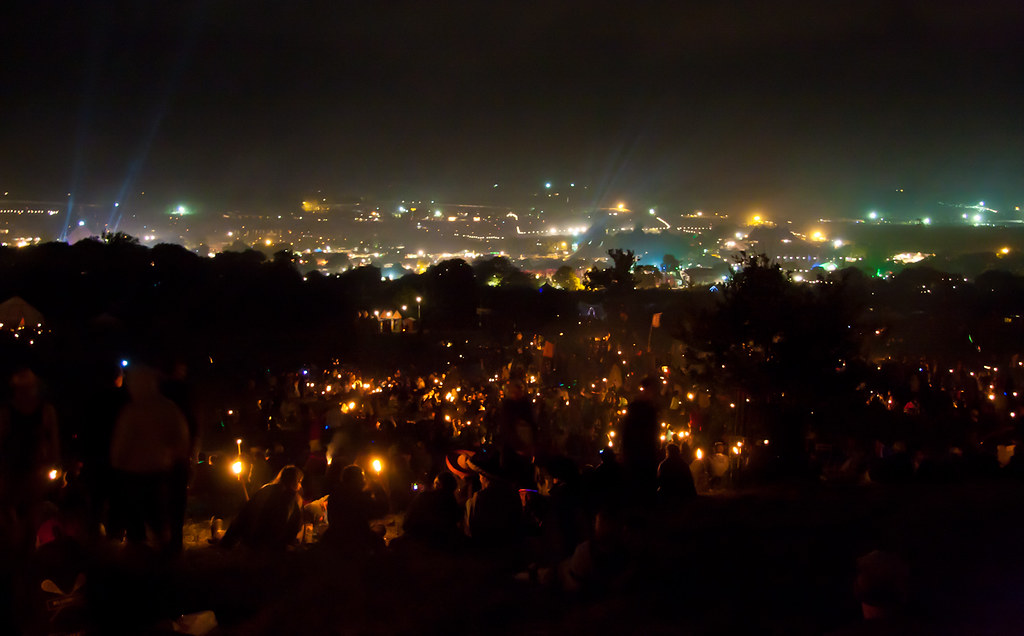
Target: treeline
116 292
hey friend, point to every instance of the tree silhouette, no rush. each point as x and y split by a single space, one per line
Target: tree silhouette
565 278
622 268
618 277
119 239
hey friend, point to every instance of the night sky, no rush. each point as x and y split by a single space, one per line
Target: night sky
800 109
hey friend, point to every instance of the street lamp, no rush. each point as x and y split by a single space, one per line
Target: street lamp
419 300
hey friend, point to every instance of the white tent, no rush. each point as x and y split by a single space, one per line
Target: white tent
15 313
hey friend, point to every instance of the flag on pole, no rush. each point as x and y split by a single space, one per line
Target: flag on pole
549 349
656 320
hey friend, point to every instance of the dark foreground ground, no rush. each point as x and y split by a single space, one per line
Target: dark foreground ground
771 561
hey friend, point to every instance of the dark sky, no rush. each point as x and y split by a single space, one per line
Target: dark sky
800 108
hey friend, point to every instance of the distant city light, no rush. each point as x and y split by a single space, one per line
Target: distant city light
873 215
926 221
81 223
651 211
548 185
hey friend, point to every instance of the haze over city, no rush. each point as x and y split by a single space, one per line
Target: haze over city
797 109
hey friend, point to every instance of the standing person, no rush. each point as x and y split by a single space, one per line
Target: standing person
175 386
29 450
640 449
149 446
97 428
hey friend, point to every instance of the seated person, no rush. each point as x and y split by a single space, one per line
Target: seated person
272 519
351 505
434 515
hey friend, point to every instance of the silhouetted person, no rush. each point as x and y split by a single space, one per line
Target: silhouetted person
882 588
675 481
602 563
29 450
494 513
640 448
351 505
149 450
434 515
564 523
272 518
605 483
176 388
97 431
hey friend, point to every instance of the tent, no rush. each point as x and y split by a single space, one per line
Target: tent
15 313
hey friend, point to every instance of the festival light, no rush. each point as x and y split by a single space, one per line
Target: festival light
377 466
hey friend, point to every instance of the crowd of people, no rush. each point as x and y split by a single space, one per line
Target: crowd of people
541 478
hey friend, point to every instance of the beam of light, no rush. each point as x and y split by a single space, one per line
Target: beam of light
159 113
85 112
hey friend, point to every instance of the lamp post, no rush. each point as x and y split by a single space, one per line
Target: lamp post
419 299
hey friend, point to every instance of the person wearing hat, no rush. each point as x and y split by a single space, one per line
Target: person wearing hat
494 513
